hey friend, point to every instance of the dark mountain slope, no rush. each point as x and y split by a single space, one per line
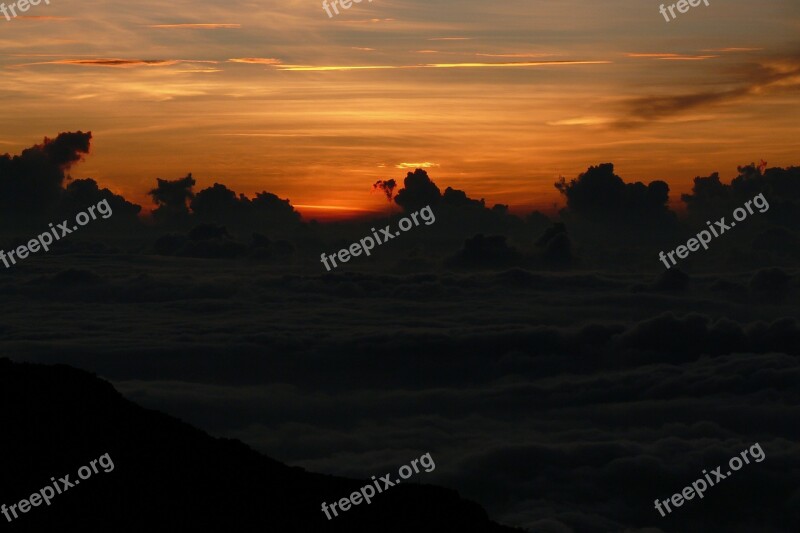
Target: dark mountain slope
170 476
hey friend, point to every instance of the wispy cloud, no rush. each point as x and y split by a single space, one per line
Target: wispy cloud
755 80
311 68
650 55
213 26
118 63
367 21
271 135
517 64
672 57
199 71
52 55
580 121
731 49
256 60
515 55
426 164
41 17
686 58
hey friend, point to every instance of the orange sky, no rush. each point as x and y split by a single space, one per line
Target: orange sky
498 99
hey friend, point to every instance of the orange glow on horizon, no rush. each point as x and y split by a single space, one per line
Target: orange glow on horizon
498 101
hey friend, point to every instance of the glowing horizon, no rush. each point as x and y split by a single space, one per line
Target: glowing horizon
506 99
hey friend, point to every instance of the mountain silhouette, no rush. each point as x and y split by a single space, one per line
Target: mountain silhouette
170 476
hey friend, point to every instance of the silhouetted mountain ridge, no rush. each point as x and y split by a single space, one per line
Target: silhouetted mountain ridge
168 475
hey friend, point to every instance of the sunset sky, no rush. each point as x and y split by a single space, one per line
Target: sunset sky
496 98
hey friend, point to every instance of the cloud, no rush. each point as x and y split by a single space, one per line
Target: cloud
172 198
309 68
257 60
442 65
686 58
711 197
34 188
650 55
120 63
673 57
515 55
580 121
41 17
731 49
755 80
517 64
486 251
368 21
417 192
600 196
31 184
219 205
416 165
211 26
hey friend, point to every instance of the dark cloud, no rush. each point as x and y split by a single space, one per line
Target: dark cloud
672 280
555 398
387 186
31 184
562 397
771 279
204 241
81 193
556 245
751 80
486 251
220 205
215 204
64 150
273 210
210 241
710 198
172 198
417 192
600 196
457 198
103 62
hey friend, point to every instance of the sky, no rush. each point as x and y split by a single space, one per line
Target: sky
495 98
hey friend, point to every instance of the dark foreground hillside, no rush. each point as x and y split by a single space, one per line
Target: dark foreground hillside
169 476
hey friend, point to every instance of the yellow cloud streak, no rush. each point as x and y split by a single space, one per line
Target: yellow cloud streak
426 164
196 26
672 57
686 58
256 60
307 68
